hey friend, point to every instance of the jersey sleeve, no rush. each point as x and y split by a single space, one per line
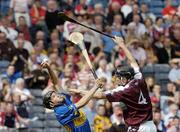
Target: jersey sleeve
116 95
137 73
66 114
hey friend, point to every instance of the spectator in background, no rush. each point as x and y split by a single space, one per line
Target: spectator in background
139 27
7 29
175 125
117 116
40 35
92 3
158 29
102 70
20 8
56 48
108 105
155 97
90 112
138 52
37 14
169 10
174 73
85 78
117 27
135 11
39 50
171 89
115 8
98 9
177 98
148 23
164 51
55 59
101 122
6 90
173 111
146 14
22 27
7 49
51 17
150 83
108 44
22 56
130 34
71 55
11 117
21 108
176 40
98 21
99 56
157 118
39 79
82 7
67 75
127 8
150 53
11 75
19 88
27 44
66 5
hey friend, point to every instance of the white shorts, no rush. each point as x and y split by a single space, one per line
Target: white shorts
148 126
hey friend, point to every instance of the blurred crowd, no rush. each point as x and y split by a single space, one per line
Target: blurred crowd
30 30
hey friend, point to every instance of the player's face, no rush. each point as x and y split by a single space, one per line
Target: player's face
57 99
122 81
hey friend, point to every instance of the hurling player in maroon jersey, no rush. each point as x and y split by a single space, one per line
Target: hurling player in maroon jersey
131 91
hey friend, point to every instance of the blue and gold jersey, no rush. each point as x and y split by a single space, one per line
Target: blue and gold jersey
70 117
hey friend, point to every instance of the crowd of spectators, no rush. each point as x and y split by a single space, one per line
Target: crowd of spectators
30 31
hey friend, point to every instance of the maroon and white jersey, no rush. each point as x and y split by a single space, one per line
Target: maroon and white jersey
136 97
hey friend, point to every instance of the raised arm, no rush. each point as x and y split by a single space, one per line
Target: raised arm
121 43
52 75
85 99
97 95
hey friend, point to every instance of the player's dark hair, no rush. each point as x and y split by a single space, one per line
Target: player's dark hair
125 71
47 99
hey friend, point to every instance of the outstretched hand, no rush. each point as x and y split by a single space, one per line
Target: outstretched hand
119 41
45 64
100 82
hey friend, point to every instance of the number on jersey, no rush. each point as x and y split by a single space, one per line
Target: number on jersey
142 100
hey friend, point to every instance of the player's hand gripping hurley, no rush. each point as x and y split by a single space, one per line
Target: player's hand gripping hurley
77 38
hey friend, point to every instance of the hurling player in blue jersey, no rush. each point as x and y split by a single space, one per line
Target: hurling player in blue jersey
67 113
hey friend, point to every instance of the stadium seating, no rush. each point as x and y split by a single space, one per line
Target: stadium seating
3 65
157 3
161 68
148 71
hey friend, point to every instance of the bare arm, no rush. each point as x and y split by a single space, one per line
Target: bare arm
85 99
52 75
121 43
97 95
